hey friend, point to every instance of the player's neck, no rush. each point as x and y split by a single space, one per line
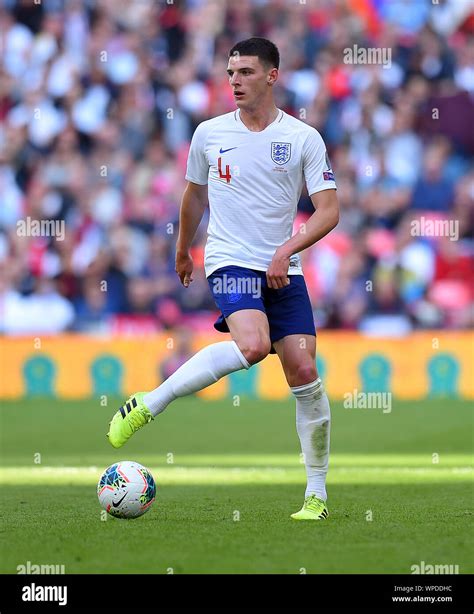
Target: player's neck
257 120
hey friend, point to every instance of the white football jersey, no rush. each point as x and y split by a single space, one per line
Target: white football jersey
254 184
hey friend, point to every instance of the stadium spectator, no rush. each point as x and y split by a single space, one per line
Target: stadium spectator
98 103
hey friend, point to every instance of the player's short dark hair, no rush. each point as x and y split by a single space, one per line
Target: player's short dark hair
266 51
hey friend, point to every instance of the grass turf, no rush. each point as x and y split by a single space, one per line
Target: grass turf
400 490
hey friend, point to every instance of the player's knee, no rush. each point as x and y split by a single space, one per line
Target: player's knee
305 373
255 350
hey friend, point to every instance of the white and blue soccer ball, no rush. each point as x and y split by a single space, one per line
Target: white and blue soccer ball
126 490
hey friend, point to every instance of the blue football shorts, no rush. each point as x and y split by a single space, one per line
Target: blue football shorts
288 309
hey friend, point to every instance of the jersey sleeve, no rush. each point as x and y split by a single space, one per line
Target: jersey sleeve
316 166
198 166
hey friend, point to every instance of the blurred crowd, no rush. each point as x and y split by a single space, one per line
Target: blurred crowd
98 103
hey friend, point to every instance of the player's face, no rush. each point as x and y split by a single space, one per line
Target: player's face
249 80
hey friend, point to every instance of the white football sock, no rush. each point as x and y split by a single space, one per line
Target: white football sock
201 370
313 424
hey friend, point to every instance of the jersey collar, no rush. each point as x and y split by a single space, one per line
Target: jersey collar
277 120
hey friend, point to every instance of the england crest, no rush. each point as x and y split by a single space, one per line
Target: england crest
281 152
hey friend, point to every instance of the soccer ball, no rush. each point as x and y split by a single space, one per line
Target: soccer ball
126 490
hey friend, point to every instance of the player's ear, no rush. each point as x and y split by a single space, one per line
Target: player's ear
272 78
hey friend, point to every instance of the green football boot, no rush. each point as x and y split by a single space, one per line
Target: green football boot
313 509
129 418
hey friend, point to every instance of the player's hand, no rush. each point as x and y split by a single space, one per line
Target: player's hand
277 274
184 267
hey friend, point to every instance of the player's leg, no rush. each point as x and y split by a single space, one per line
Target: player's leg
250 343
250 330
297 354
293 335
203 369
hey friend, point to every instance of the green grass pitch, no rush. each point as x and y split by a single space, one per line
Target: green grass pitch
400 489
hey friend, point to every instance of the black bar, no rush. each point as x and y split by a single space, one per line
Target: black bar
305 593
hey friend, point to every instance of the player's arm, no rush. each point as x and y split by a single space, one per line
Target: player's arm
193 205
323 220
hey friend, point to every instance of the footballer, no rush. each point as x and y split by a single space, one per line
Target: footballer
249 165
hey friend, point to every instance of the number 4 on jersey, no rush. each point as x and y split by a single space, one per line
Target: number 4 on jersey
227 175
